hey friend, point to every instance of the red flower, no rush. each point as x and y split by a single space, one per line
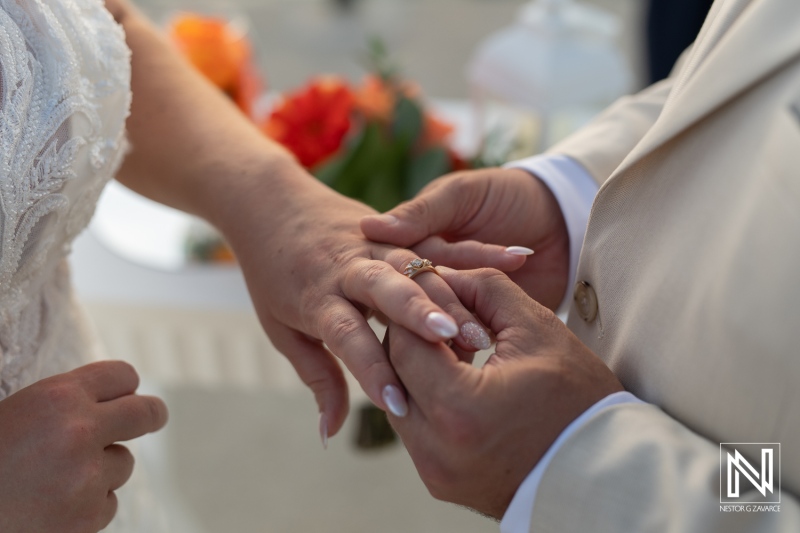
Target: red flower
313 121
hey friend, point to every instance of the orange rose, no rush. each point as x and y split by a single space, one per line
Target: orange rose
211 46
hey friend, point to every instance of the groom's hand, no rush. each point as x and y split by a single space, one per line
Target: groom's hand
475 434
496 207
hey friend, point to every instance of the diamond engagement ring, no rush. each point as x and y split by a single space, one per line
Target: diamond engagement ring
418 266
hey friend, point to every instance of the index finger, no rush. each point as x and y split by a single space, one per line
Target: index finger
107 380
349 337
131 416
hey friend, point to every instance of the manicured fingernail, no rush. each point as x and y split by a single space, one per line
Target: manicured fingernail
385 219
395 401
475 336
519 250
442 325
323 430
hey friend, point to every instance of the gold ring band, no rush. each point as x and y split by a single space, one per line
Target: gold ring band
418 266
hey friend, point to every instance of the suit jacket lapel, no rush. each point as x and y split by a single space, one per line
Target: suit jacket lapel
760 40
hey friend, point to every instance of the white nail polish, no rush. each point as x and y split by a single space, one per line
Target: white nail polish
476 336
395 401
442 325
389 220
519 250
323 430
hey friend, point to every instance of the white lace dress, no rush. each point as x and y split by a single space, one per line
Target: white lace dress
64 98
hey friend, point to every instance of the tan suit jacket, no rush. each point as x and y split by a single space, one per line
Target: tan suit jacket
693 252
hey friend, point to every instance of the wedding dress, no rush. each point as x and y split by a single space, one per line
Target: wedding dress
64 97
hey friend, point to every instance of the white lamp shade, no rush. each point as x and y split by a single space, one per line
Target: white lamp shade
558 53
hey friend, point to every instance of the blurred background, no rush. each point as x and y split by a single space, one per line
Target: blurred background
242 451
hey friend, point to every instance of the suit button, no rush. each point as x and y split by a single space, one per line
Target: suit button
585 301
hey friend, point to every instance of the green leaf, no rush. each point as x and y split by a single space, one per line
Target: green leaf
408 121
370 170
425 168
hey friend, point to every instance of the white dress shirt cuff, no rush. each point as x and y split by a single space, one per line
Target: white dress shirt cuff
517 518
574 190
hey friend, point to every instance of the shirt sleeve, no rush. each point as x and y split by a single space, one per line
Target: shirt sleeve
517 518
574 189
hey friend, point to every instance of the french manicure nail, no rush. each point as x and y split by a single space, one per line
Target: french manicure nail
386 219
323 430
475 336
442 325
519 250
395 401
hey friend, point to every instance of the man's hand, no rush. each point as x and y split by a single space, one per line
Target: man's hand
475 434
497 207
59 464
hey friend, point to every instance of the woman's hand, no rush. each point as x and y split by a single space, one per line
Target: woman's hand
314 278
59 464
311 273
475 433
507 207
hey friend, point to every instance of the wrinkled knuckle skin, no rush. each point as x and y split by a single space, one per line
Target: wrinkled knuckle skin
77 435
491 275
339 329
456 310
548 319
373 272
340 254
418 209
64 396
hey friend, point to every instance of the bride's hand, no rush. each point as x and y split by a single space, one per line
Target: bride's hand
314 278
298 243
59 464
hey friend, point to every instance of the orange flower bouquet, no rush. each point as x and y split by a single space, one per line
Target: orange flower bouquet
373 142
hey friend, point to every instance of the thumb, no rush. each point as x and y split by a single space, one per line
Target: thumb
432 212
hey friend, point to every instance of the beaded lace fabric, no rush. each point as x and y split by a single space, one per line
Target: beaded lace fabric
64 98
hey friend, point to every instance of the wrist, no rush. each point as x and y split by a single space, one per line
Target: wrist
265 188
